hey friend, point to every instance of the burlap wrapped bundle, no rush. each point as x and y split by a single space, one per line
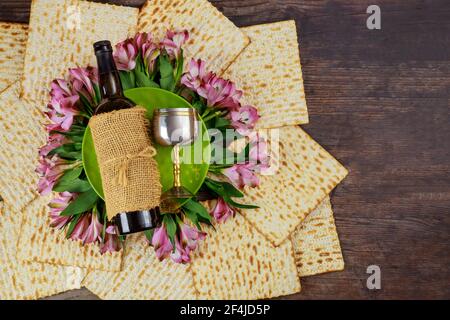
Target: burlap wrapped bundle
130 175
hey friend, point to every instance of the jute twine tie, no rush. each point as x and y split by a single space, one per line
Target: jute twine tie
121 178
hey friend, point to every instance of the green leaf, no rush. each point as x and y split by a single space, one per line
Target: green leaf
105 221
227 191
77 138
73 155
70 182
167 80
76 185
231 190
149 234
171 227
74 132
179 71
68 147
84 202
86 104
98 96
72 225
192 216
143 81
235 204
199 106
199 209
70 151
222 122
77 127
71 174
127 80
132 79
139 63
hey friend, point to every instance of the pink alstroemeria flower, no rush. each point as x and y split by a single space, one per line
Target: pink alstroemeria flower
197 75
125 55
161 243
150 53
242 175
220 93
57 206
181 253
141 38
51 169
60 89
244 119
62 106
173 42
111 242
222 211
53 141
259 151
83 81
61 113
190 236
93 232
80 228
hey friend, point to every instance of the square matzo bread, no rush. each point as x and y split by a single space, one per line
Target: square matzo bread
61 36
236 262
143 277
13 40
303 174
28 280
21 134
270 74
213 37
316 243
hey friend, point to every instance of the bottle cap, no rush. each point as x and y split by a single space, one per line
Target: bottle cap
137 221
102 46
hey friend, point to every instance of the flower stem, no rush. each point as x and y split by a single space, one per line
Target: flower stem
85 115
212 116
216 171
207 111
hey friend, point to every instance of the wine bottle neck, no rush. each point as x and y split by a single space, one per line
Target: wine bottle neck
109 80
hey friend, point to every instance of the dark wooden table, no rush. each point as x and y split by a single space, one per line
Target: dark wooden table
379 102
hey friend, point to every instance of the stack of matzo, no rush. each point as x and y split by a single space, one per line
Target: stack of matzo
316 243
213 37
270 74
305 175
258 254
20 136
61 36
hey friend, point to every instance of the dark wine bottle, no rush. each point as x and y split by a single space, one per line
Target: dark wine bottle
112 98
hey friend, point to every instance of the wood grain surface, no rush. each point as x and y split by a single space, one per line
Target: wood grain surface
379 102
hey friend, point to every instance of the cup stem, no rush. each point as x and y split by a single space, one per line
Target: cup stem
176 166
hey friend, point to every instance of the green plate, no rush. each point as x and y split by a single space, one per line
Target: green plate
192 174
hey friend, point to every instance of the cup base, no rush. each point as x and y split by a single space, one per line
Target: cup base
173 198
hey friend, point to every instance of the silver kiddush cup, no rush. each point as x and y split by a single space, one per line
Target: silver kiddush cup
175 127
